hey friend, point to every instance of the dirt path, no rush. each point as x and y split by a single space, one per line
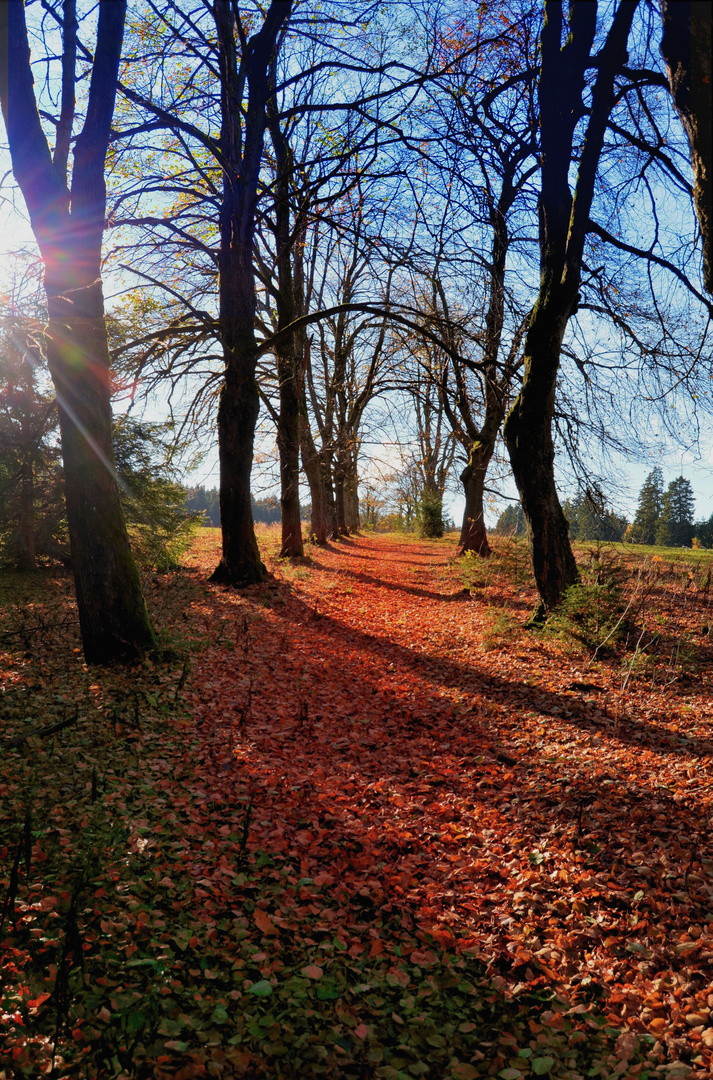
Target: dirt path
405 745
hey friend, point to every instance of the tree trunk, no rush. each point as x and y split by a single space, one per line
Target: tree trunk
351 498
564 221
241 144
69 228
238 409
686 48
286 353
288 443
473 535
112 613
528 436
325 459
319 529
339 505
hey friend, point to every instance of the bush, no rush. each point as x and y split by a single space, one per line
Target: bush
159 524
430 515
591 612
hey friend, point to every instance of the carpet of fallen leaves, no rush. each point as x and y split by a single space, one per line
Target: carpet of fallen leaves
358 822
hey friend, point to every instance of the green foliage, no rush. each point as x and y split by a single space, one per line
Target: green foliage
590 519
430 515
591 614
511 522
31 482
204 501
674 527
703 531
643 529
160 526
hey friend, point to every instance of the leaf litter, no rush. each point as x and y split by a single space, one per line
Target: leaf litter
357 822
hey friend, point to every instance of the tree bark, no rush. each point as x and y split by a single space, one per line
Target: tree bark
473 535
68 226
528 435
319 526
686 48
286 352
241 143
564 218
351 497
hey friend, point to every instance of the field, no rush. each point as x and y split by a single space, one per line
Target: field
359 822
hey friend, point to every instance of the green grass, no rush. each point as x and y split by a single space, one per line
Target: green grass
695 556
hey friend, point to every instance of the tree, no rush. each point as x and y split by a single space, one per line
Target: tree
31 484
686 48
224 80
486 106
67 217
675 525
703 531
511 522
160 524
643 529
590 518
564 221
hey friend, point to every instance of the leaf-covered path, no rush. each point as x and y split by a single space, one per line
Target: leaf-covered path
386 825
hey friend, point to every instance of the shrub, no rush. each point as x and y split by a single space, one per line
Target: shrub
430 515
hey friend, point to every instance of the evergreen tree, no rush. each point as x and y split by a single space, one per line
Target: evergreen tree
205 501
153 500
703 531
643 529
675 524
591 519
32 521
511 522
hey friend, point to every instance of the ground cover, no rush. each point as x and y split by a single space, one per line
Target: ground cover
358 822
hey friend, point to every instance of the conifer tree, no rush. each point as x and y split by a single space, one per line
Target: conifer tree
643 529
675 525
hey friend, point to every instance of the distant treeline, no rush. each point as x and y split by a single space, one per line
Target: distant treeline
206 500
588 517
664 518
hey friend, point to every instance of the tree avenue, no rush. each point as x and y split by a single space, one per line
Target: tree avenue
312 217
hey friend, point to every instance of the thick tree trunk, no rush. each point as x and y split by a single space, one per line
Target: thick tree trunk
564 218
686 48
69 227
238 410
351 498
241 144
240 564
112 613
473 535
528 436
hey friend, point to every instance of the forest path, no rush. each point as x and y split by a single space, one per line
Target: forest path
414 752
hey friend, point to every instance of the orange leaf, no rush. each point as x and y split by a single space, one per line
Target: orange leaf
264 923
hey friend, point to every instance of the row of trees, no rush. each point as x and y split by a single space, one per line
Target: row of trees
328 203
664 518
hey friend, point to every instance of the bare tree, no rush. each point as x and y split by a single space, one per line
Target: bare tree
564 218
